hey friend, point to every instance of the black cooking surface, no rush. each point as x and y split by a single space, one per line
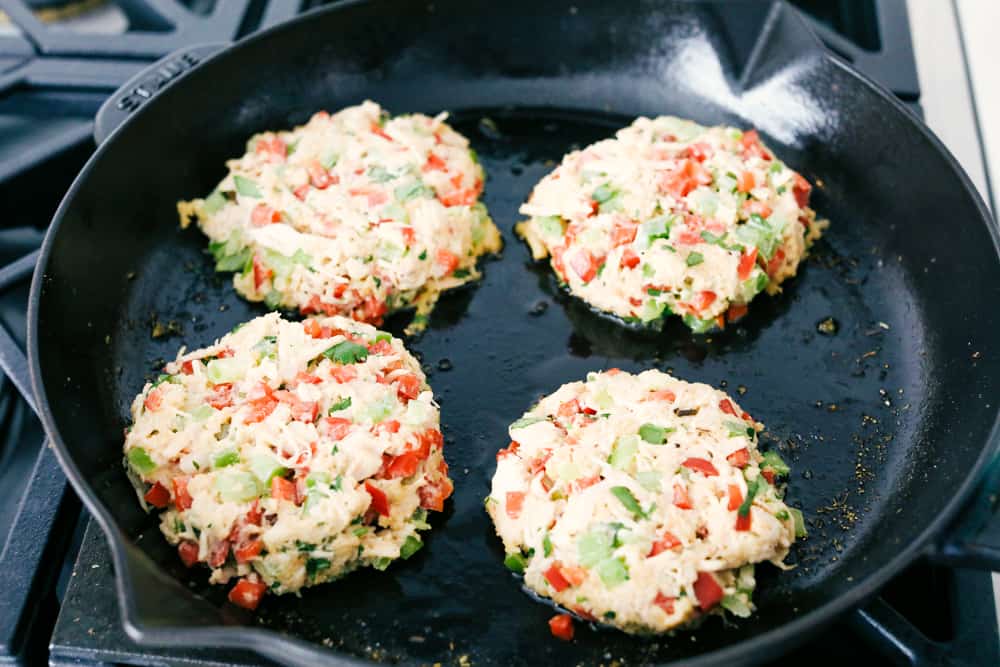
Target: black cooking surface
89 628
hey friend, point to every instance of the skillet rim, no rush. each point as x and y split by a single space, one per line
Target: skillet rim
266 642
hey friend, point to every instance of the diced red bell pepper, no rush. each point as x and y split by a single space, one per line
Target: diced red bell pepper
629 260
703 300
221 396
447 260
261 272
735 497
188 551
404 465
737 312
573 574
335 428
561 627
343 374
272 147
740 458
158 496
700 151
318 176
752 146
768 475
301 191
263 215
247 551
187 367
776 262
663 395
570 408
583 264
247 594
727 406
433 495
254 514
380 502
510 450
378 131
746 265
434 163
801 188
555 577
218 553
666 542
283 489
707 591
743 521
623 232
665 603
390 426
515 501
757 207
745 182
181 496
303 411
154 399
681 497
408 387
700 465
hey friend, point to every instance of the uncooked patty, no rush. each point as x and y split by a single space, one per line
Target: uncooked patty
290 453
640 500
672 217
354 213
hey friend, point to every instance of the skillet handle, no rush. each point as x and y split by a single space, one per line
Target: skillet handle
973 540
146 84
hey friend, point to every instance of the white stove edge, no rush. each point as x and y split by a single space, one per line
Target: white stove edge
946 94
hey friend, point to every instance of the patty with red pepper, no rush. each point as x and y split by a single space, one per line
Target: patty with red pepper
672 217
641 501
354 214
290 453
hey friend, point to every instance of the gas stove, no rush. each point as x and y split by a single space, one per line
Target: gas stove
59 59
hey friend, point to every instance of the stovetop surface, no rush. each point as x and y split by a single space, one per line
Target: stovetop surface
59 600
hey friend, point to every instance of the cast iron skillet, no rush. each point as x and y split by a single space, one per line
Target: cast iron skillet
888 424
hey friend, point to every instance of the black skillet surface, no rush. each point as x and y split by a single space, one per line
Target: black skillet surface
883 422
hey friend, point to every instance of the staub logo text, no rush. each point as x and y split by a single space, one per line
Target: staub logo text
155 80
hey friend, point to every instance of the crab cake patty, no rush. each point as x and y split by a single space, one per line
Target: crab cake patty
352 214
288 454
640 500
672 217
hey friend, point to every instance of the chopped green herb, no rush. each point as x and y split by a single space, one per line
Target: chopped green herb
423 255
781 515
800 522
625 497
246 187
383 336
341 404
526 421
461 273
411 546
140 460
360 531
695 258
547 545
226 458
653 434
316 565
752 489
736 605
515 563
773 461
381 564
405 193
347 352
